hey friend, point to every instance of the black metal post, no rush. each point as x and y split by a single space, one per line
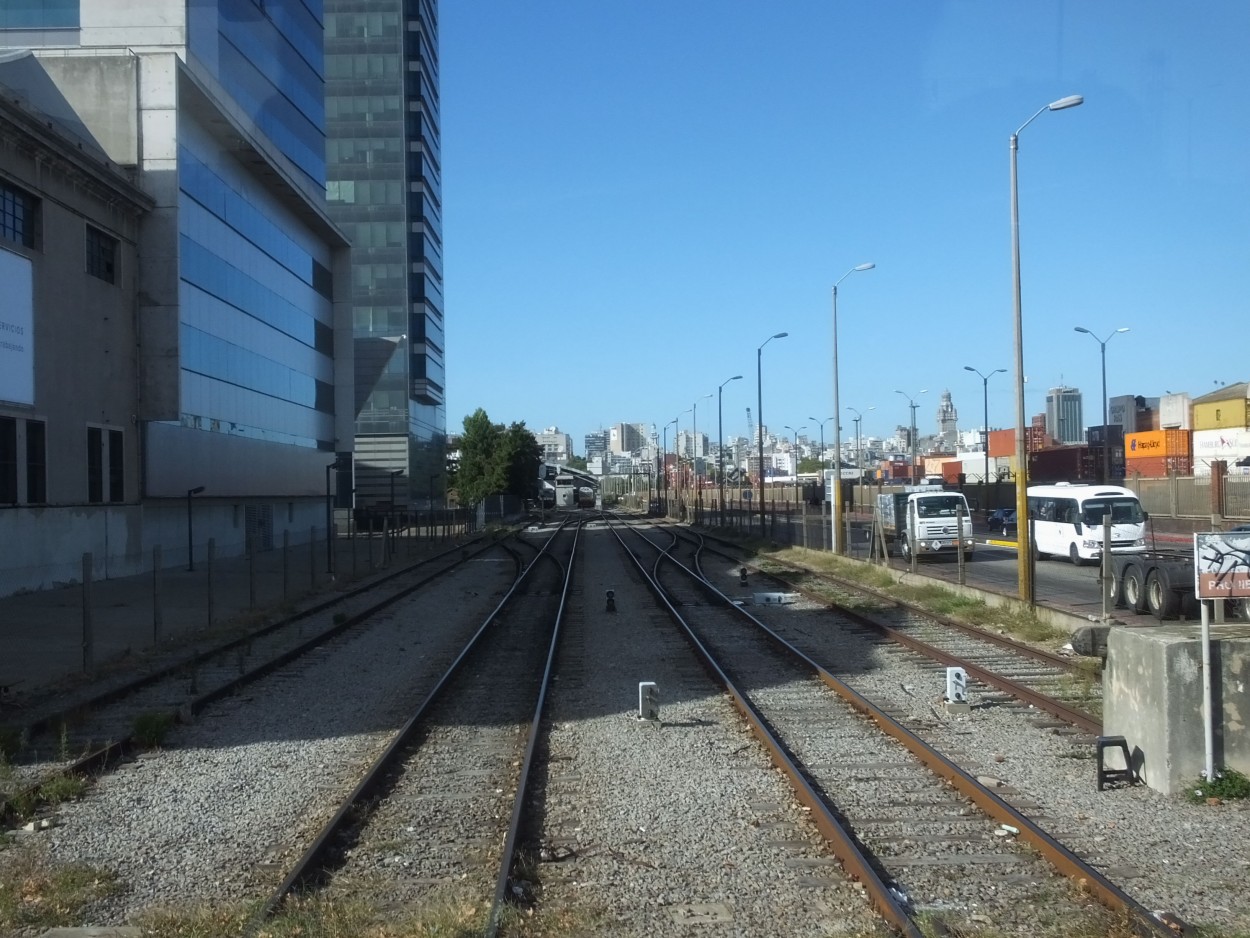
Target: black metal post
190 536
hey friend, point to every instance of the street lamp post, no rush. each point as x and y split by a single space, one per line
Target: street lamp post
664 461
837 429
720 445
985 433
821 424
858 420
190 536
796 458
759 415
911 471
694 452
1106 442
1024 553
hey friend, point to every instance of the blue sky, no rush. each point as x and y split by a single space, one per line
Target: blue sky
637 194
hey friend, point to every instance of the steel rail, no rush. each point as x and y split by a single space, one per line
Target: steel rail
113 752
842 842
507 861
1002 641
312 860
1056 853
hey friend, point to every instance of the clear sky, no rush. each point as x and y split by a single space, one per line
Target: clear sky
638 194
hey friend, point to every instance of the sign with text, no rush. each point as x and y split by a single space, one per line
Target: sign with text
17 332
1222 564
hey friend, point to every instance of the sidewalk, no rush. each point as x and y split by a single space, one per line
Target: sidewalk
57 640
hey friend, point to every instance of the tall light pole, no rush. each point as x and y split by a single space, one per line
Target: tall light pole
911 472
694 452
821 424
677 450
664 462
796 457
1106 441
985 434
759 414
720 445
859 451
1024 552
837 429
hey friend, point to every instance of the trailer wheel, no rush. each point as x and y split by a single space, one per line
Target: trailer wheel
1113 589
1134 589
1162 602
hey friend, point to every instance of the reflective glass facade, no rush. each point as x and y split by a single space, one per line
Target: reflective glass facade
384 188
268 56
39 14
256 333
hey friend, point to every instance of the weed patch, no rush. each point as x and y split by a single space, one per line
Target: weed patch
1228 785
150 729
35 895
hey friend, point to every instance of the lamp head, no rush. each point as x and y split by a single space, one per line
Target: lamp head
781 335
195 491
1082 329
865 266
969 368
1125 329
1071 100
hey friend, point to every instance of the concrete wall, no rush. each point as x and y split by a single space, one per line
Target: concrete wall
1152 696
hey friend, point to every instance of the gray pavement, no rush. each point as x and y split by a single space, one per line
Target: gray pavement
61 639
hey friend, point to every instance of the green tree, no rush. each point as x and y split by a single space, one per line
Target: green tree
577 462
810 464
521 456
481 471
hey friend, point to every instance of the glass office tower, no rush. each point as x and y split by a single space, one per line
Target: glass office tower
384 188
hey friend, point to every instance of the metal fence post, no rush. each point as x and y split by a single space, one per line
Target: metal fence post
212 557
157 612
286 564
251 571
963 569
312 553
88 626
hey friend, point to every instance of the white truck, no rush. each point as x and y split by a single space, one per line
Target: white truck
929 515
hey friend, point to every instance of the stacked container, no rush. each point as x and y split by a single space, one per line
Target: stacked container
1156 454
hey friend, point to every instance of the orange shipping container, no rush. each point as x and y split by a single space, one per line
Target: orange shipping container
1154 443
1002 442
1159 467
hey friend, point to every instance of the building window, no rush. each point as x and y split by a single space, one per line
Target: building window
101 255
18 209
36 462
95 465
117 466
8 461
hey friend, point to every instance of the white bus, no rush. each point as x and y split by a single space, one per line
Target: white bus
1067 520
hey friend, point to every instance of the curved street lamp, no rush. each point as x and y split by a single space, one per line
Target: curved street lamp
911 470
985 434
796 457
1024 552
759 415
837 430
1106 440
859 451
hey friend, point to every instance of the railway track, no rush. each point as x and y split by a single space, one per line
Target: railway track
930 843
93 732
998 667
424 825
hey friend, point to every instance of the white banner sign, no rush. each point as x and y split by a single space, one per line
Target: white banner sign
1222 565
17 330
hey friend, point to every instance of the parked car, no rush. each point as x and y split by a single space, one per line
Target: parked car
1002 521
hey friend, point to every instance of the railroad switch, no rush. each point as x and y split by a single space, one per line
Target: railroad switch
957 691
1106 775
648 701
611 606
742 576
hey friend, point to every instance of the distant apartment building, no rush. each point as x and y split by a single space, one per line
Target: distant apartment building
596 444
627 438
1063 415
557 446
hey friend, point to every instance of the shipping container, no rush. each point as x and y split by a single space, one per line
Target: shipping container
1160 467
1158 443
1232 446
1095 435
1233 414
1175 411
1062 464
1002 442
951 471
